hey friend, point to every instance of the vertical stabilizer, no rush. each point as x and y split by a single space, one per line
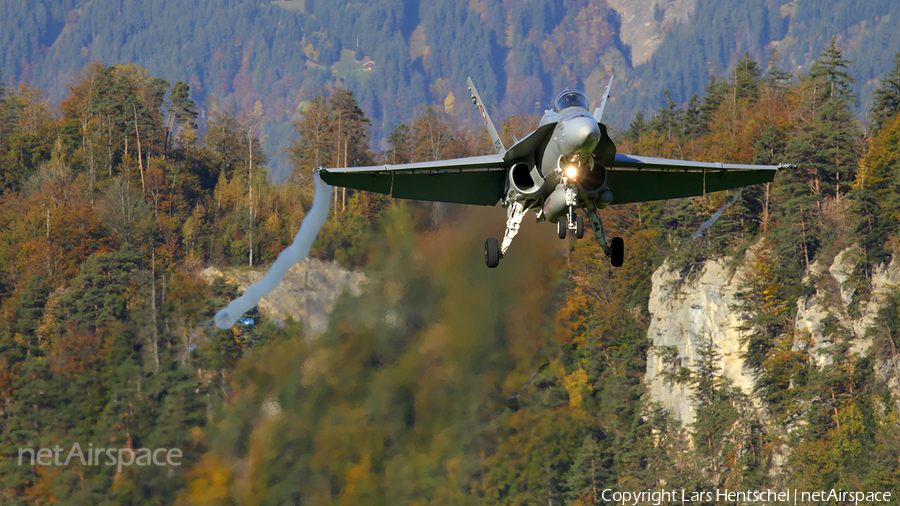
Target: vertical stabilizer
598 112
495 137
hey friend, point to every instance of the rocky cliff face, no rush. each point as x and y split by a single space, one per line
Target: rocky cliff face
644 23
684 312
307 293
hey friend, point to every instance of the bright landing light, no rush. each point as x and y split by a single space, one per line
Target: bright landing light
571 171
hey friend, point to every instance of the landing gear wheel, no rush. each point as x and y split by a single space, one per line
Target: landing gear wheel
579 227
617 250
561 228
491 253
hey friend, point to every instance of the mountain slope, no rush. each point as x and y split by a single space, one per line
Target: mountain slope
520 54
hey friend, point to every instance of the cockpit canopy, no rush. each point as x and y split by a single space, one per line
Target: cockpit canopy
570 98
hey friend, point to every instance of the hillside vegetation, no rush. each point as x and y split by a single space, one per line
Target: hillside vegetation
441 383
520 54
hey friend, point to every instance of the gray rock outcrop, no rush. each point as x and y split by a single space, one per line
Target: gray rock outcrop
683 312
307 293
645 22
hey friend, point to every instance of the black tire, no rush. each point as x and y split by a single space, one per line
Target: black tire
579 227
561 227
491 253
617 250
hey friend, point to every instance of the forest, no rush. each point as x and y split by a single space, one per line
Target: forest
520 54
438 384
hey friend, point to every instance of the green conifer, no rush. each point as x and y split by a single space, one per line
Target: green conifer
887 97
746 78
830 70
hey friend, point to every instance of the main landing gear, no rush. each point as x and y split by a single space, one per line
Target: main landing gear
494 252
614 250
617 251
491 253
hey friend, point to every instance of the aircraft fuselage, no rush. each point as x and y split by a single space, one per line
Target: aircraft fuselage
564 171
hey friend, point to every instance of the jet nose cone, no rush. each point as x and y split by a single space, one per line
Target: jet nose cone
582 134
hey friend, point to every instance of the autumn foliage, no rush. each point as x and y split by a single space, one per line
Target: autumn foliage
441 382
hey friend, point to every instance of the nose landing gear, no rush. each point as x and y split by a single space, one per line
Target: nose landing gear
576 224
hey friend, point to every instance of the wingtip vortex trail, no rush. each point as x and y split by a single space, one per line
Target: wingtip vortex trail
293 254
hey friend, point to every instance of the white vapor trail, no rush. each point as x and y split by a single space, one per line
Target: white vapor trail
708 223
293 254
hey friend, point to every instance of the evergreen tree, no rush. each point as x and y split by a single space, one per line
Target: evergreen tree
836 442
830 72
762 302
31 306
774 76
223 137
124 210
773 349
401 143
877 194
314 146
26 126
637 128
827 149
22 342
667 120
101 292
717 410
886 97
714 94
587 475
351 136
114 100
692 122
184 109
746 78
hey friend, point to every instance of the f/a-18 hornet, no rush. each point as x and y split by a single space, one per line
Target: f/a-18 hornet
568 163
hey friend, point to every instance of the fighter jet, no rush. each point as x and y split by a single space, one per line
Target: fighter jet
568 163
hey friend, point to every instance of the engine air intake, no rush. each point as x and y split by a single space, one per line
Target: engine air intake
591 181
520 176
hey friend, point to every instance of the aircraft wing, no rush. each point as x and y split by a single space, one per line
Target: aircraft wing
643 178
478 180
